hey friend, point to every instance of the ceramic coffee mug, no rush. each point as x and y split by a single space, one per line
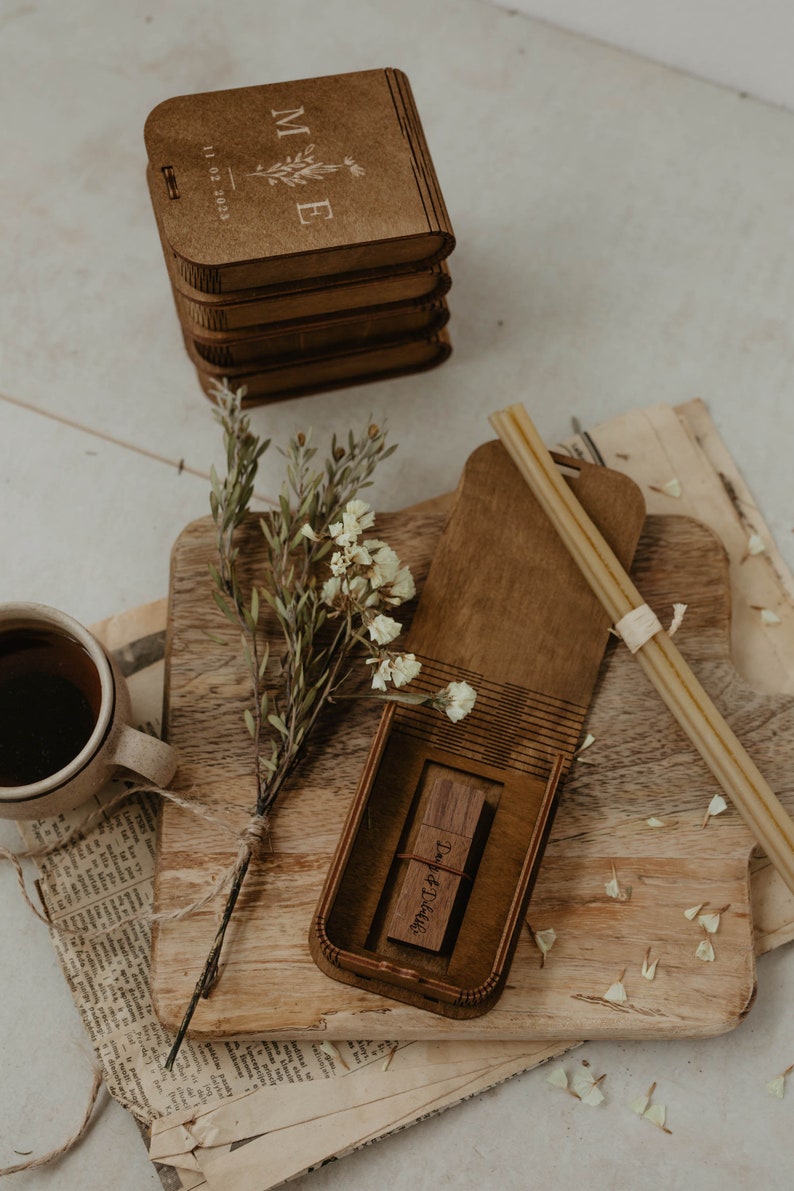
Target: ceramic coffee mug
64 717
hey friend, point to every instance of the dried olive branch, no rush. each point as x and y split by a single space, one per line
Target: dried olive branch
320 622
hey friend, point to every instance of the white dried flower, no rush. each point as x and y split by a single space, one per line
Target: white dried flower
769 617
401 588
710 923
339 562
705 951
693 911
360 512
755 544
382 674
557 1078
358 589
457 700
385 563
654 822
383 629
357 517
308 532
404 669
331 590
358 555
673 488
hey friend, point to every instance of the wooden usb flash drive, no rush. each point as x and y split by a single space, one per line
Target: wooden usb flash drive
440 866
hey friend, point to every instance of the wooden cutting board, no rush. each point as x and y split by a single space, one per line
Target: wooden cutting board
640 766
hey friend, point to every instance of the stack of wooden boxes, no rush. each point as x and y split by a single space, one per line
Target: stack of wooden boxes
304 233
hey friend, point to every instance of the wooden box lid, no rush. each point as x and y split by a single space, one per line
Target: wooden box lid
310 178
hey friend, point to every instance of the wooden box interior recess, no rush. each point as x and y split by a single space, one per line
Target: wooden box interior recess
505 609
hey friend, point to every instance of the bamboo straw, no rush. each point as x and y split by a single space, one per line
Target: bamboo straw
660 659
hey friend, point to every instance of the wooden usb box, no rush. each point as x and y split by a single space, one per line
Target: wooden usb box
281 182
313 202
427 892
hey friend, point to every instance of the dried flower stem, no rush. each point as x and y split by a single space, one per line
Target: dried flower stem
320 624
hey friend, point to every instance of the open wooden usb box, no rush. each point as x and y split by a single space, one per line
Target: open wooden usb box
427 892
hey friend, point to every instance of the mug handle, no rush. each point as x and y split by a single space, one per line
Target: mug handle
153 759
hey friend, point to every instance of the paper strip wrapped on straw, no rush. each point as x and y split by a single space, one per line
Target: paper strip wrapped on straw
658 656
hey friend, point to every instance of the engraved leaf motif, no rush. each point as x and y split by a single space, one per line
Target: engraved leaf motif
302 168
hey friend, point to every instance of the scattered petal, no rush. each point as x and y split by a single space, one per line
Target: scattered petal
586 1088
715 807
649 969
657 1115
387 1061
693 911
333 1053
588 740
705 951
654 822
616 993
710 923
678 616
755 544
557 1078
612 888
778 1085
769 617
544 941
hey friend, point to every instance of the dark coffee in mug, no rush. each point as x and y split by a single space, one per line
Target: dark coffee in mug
50 698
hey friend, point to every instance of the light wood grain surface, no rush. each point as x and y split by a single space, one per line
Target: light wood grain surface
642 767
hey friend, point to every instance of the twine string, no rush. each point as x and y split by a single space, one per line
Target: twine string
637 627
252 843
71 1141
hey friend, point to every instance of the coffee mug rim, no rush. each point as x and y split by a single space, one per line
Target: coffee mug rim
21 614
